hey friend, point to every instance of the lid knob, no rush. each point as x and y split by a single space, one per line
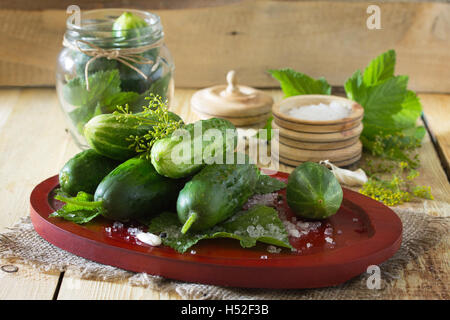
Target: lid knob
242 105
231 80
232 90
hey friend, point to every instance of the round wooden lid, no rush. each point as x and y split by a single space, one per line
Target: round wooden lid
241 105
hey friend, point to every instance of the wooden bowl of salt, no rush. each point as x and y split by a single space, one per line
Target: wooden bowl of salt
318 127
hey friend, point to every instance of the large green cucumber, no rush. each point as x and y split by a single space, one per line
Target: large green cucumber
84 172
214 194
165 152
109 136
135 190
313 191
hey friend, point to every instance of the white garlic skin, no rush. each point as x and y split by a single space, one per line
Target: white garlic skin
347 177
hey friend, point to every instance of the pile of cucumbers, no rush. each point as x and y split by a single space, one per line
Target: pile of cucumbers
114 181
126 186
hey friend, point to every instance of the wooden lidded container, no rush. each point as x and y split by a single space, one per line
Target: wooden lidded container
315 140
241 105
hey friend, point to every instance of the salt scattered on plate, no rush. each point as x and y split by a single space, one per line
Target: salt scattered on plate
321 112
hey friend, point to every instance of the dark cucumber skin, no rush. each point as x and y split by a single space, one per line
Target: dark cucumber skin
135 190
110 137
84 172
313 191
216 193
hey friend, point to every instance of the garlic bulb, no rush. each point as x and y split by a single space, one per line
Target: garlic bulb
347 177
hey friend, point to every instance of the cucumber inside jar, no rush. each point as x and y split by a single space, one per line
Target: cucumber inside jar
133 81
112 82
111 88
101 64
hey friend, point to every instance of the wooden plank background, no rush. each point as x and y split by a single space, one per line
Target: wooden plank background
320 38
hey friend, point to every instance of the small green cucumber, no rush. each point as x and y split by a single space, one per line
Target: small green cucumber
178 157
110 137
313 191
214 194
134 190
84 172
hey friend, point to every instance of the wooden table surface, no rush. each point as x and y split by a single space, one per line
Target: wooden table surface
34 145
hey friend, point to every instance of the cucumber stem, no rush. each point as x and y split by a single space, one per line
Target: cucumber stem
192 217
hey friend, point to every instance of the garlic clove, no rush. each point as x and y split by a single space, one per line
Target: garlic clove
149 238
347 177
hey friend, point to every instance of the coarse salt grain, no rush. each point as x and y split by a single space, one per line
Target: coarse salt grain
263 257
321 112
134 231
273 249
267 199
308 245
291 229
328 239
294 233
118 225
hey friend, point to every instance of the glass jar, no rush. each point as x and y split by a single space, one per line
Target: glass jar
100 68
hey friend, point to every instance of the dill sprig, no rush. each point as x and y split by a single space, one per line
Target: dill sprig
397 146
397 190
156 116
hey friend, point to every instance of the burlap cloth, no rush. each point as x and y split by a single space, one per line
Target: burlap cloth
22 244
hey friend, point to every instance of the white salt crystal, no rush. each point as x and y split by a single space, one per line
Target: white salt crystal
134 231
294 233
328 239
273 249
263 257
193 252
291 229
118 225
149 238
321 112
303 225
308 245
315 225
267 199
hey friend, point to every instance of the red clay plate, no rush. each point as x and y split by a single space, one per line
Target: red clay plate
364 232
